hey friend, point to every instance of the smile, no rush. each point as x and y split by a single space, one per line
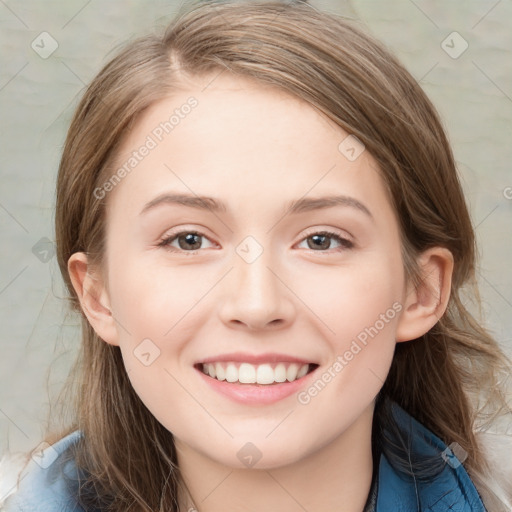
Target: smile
254 393
264 374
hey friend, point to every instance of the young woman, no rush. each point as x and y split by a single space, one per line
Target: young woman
260 221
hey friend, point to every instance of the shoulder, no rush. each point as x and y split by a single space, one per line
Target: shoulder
46 481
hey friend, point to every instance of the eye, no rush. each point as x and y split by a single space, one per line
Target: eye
186 240
321 240
189 242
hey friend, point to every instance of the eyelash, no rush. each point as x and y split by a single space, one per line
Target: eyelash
166 241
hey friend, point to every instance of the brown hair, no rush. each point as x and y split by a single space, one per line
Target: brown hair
334 66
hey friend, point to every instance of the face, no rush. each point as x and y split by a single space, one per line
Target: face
254 281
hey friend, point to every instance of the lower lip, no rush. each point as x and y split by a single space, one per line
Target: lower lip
256 394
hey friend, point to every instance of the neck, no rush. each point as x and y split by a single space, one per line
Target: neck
336 477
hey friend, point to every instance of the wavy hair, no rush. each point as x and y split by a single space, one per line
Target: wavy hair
449 379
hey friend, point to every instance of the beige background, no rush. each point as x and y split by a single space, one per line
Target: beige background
473 93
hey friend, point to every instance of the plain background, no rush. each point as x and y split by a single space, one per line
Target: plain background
471 87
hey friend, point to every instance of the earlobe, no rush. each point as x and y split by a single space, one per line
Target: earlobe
93 296
426 303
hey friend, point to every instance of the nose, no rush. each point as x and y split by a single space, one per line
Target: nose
256 295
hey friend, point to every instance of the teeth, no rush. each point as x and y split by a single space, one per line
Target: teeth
246 373
302 371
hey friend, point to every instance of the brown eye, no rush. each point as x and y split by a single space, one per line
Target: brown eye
322 241
188 241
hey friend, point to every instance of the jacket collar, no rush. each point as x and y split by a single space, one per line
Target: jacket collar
448 487
438 481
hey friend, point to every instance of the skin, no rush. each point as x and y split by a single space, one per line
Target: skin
257 148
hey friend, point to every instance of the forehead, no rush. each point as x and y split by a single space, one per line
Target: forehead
244 141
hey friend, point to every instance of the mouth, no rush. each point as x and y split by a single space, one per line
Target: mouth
266 374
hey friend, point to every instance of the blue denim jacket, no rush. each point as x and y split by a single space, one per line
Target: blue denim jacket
43 488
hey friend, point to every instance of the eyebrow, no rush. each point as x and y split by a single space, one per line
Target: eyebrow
296 206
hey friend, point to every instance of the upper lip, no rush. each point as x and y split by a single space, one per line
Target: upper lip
255 359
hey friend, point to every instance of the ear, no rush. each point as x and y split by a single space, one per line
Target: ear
425 304
93 296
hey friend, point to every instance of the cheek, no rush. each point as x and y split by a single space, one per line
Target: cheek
150 300
361 312
157 310
356 296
